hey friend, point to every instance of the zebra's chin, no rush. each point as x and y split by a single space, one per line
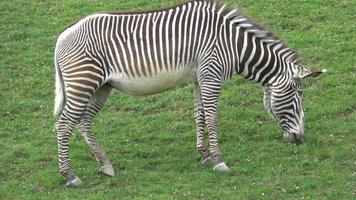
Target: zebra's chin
293 137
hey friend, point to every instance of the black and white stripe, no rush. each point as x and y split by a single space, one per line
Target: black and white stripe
199 42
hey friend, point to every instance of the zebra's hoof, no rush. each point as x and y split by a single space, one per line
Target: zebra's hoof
108 170
221 167
74 181
206 161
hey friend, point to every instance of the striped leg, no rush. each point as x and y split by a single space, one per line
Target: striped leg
79 89
210 95
200 124
85 125
65 124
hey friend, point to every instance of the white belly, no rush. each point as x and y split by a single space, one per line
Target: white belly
142 86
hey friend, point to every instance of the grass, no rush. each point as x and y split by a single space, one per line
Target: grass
151 140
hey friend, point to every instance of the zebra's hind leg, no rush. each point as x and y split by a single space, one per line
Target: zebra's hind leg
94 106
200 125
65 124
79 89
210 94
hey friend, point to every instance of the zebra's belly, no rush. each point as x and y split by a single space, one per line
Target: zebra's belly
142 86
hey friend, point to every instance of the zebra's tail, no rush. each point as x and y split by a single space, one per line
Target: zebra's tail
59 99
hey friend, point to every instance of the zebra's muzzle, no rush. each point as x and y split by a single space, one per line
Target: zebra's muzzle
293 137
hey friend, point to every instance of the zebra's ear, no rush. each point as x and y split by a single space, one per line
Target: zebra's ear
306 72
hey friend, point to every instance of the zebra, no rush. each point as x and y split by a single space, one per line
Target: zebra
199 42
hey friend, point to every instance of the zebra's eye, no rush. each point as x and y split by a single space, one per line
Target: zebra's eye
298 87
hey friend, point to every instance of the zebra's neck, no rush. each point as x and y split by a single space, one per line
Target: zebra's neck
261 55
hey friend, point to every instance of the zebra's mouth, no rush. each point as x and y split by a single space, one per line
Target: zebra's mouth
293 137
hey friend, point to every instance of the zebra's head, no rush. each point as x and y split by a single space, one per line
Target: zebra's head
284 102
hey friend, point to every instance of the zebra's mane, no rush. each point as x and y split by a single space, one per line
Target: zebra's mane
247 24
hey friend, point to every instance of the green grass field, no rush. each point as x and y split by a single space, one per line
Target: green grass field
151 140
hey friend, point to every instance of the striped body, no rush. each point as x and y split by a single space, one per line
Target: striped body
199 42
142 49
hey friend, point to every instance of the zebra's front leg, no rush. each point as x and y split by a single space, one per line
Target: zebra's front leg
210 95
200 125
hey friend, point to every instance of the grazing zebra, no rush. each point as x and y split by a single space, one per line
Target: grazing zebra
143 53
